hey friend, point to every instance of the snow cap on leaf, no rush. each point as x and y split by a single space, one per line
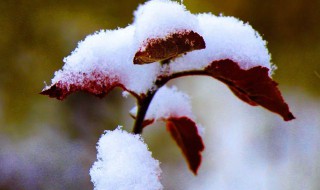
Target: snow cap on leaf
225 38
101 62
165 29
159 18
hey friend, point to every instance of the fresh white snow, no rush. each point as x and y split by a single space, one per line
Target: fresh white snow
111 52
124 163
226 38
167 103
159 18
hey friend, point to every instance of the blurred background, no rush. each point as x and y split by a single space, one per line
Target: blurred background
50 144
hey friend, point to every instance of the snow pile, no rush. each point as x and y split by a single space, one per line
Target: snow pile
226 38
109 53
159 18
125 163
168 103
106 57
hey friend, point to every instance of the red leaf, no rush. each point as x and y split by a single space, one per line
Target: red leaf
184 132
253 86
158 49
97 84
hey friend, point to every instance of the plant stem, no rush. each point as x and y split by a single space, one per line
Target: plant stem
143 105
144 102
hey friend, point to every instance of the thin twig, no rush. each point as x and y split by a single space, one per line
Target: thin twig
143 105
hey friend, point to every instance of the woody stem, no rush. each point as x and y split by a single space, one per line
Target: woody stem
143 105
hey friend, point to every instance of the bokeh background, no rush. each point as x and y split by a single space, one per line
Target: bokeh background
50 144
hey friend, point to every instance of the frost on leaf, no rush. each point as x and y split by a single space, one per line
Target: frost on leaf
102 61
158 49
184 131
253 86
95 83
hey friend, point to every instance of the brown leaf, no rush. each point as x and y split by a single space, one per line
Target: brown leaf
97 84
253 86
184 131
159 49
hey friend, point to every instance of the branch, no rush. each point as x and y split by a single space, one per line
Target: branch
143 105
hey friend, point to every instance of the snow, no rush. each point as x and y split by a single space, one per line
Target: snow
247 147
111 52
159 18
226 38
167 103
124 162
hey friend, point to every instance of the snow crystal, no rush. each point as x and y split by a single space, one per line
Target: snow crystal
111 53
125 163
226 38
158 18
168 102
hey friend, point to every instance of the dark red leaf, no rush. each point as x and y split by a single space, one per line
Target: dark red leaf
184 131
97 84
158 49
253 86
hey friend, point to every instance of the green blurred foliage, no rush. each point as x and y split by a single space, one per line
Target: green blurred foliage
35 36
